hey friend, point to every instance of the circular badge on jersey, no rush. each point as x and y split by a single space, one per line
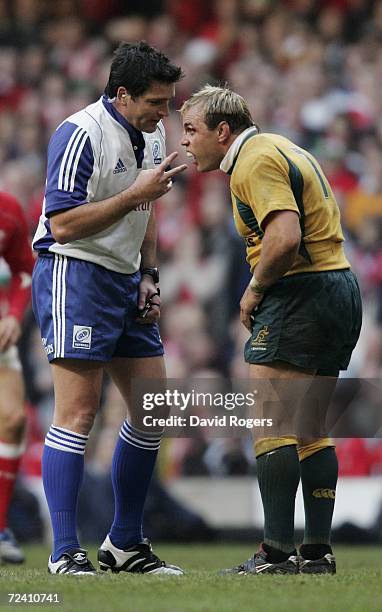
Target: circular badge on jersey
83 335
157 153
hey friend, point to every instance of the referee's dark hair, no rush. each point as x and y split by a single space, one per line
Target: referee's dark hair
136 66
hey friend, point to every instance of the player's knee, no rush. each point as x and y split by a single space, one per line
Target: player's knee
81 422
267 445
13 424
84 422
306 448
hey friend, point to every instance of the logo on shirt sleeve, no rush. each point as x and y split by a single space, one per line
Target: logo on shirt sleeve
82 337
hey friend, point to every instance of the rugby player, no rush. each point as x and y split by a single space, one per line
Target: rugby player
16 251
96 297
302 308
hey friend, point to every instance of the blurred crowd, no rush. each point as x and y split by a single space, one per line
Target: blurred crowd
309 69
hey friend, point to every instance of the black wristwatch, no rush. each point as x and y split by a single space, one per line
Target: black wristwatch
153 272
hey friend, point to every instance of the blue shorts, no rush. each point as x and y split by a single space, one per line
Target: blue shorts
85 311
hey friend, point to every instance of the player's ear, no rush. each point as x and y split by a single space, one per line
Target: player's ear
224 132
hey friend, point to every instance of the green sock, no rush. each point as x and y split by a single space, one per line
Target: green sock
319 474
278 474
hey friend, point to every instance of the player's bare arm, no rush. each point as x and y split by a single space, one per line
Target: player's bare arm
18 255
280 246
10 332
81 221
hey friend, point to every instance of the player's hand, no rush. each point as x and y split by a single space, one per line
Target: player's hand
148 301
248 303
154 183
10 332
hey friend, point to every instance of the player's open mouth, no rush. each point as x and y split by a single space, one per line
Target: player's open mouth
191 156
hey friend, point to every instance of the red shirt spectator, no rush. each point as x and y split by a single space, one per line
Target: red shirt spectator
16 250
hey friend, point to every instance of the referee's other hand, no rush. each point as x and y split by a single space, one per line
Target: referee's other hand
148 301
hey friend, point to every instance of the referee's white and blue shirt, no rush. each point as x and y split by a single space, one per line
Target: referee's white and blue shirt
92 156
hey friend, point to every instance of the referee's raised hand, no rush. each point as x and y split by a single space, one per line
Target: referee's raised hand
154 183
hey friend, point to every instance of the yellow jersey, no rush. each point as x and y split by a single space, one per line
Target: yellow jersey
271 173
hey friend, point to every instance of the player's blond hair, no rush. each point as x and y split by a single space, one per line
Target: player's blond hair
221 104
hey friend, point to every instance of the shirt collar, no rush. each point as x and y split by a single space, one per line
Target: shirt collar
229 160
136 136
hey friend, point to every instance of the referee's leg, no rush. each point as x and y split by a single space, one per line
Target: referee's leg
136 450
77 388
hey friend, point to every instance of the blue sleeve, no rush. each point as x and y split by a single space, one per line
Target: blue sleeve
70 165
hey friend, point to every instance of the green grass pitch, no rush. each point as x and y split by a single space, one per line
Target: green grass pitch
356 587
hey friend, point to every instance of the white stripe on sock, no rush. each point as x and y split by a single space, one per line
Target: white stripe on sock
67 442
63 448
64 438
138 443
133 436
11 451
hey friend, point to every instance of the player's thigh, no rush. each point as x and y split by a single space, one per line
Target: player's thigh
282 391
12 409
129 374
315 415
77 389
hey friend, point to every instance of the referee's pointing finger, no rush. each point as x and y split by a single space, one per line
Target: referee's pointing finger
174 171
167 160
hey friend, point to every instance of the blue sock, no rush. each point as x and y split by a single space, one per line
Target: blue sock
133 464
62 472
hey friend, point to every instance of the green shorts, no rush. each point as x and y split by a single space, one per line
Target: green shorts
311 320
